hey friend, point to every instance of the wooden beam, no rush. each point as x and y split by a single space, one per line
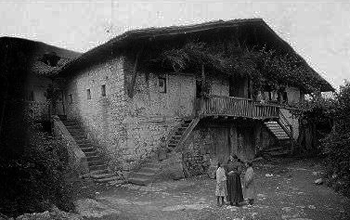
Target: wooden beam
134 74
203 74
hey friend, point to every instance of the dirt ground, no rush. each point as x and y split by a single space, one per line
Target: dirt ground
285 190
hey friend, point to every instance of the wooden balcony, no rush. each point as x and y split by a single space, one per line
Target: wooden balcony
235 107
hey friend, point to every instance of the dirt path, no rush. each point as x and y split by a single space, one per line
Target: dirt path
289 193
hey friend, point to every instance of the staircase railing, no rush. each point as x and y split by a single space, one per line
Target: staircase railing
187 132
287 127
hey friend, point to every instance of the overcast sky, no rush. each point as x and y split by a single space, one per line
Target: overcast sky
318 30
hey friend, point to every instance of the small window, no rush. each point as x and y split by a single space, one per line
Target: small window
103 90
70 98
88 94
162 84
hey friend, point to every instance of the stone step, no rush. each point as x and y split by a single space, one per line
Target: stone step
179 132
88 149
173 141
74 128
76 131
91 154
92 158
83 142
146 173
271 122
182 128
79 137
278 153
97 167
139 181
176 137
107 179
172 145
99 171
281 135
279 132
283 138
70 123
149 169
95 162
151 165
143 175
274 127
102 175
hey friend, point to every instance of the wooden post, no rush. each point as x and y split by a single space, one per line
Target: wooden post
203 74
257 133
202 101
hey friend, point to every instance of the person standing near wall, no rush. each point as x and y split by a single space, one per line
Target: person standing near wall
249 185
234 187
221 190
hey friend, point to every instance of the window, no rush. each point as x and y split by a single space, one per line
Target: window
70 98
162 84
103 90
88 94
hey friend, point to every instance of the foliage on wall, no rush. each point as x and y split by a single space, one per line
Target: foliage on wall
263 66
336 146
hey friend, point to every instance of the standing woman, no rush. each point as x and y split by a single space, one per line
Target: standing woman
234 187
249 185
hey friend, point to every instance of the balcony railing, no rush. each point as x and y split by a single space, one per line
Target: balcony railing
235 107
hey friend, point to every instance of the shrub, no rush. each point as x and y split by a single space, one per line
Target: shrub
336 146
34 180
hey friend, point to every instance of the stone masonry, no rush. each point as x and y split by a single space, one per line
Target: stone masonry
128 129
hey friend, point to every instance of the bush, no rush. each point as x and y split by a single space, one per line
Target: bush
336 146
34 180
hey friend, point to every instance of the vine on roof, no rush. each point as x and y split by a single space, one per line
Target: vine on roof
263 66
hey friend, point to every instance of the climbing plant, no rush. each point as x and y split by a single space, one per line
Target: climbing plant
264 66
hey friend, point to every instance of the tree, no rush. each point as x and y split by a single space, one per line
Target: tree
336 146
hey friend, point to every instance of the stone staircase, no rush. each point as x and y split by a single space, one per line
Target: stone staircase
97 167
151 166
283 136
277 130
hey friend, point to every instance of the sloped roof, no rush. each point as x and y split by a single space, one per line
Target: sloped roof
35 50
149 35
43 69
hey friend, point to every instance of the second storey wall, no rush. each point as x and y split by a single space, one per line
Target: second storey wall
101 115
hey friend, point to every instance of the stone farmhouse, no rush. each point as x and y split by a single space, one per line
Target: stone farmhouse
172 102
24 81
31 63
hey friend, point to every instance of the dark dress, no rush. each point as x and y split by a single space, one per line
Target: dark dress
234 187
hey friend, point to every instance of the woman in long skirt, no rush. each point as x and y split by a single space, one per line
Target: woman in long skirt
249 185
221 190
234 187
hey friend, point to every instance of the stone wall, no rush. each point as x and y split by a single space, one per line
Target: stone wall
294 95
128 129
102 117
76 158
213 142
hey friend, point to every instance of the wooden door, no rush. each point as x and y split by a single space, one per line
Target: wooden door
221 146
